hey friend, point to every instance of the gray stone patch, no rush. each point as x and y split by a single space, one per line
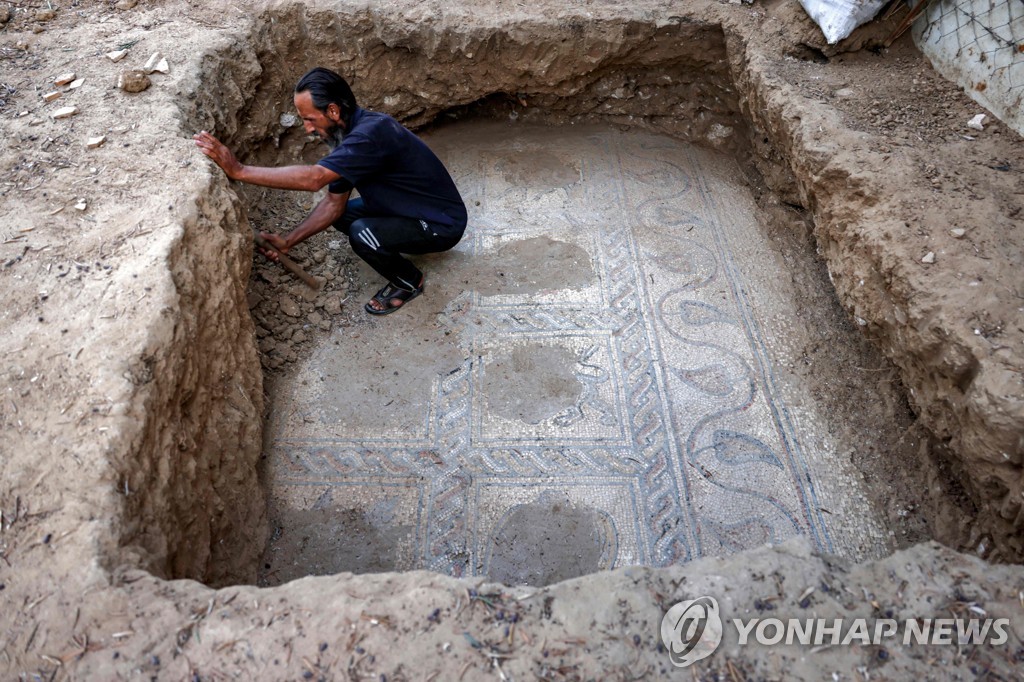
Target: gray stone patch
530 265
548 541
532 383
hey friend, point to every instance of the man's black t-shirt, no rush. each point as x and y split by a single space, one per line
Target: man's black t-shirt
395 172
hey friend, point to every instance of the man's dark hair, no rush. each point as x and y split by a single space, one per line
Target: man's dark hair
327 87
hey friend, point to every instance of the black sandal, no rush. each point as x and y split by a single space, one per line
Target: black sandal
389 292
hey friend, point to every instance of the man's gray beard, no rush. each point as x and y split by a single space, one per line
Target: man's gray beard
335 137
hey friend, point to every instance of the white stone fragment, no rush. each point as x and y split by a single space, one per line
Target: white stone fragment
75 84
289 120
978 122
116 55
958 232
81 205
64 79
156 62
50 96
94 142
929 258
64 112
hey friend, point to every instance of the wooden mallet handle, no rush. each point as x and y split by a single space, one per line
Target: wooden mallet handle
289 265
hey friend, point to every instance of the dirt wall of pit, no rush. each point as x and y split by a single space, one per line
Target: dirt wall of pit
154 448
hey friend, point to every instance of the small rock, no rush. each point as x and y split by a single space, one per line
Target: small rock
978 122
289 120
325 325
315 318
253 298
75 84
845 93
133 81
95 142
81 205
958 232
929 258
332 306
299 336
5 14
64 78
307 294
116 55
50 96
288 306
126 4
156 62
718 133
64 112
45 14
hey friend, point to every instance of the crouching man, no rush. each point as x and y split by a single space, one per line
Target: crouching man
407 200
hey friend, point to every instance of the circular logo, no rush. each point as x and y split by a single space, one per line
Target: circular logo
691 630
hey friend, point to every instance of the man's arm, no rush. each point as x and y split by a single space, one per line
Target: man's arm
330 208
307 178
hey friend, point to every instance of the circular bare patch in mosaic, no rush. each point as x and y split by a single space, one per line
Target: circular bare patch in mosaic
532 383
539 169
548 541
527 266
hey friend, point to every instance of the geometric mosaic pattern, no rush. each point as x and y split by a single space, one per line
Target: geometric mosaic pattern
677 443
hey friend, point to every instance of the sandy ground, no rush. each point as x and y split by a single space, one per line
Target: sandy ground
132 388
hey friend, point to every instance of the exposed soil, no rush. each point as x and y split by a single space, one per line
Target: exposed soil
132 393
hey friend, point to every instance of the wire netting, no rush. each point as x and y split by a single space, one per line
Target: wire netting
985 36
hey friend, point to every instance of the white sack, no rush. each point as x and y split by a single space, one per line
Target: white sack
838 18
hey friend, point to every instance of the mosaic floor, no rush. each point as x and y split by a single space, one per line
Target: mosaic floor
587 383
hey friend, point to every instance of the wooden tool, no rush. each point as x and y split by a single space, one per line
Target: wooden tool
289 265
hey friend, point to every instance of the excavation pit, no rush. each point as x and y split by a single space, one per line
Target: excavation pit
635 329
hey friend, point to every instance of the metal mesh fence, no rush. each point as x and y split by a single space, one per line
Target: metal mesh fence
985 36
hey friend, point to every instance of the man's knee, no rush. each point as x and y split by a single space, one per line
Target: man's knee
361 237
